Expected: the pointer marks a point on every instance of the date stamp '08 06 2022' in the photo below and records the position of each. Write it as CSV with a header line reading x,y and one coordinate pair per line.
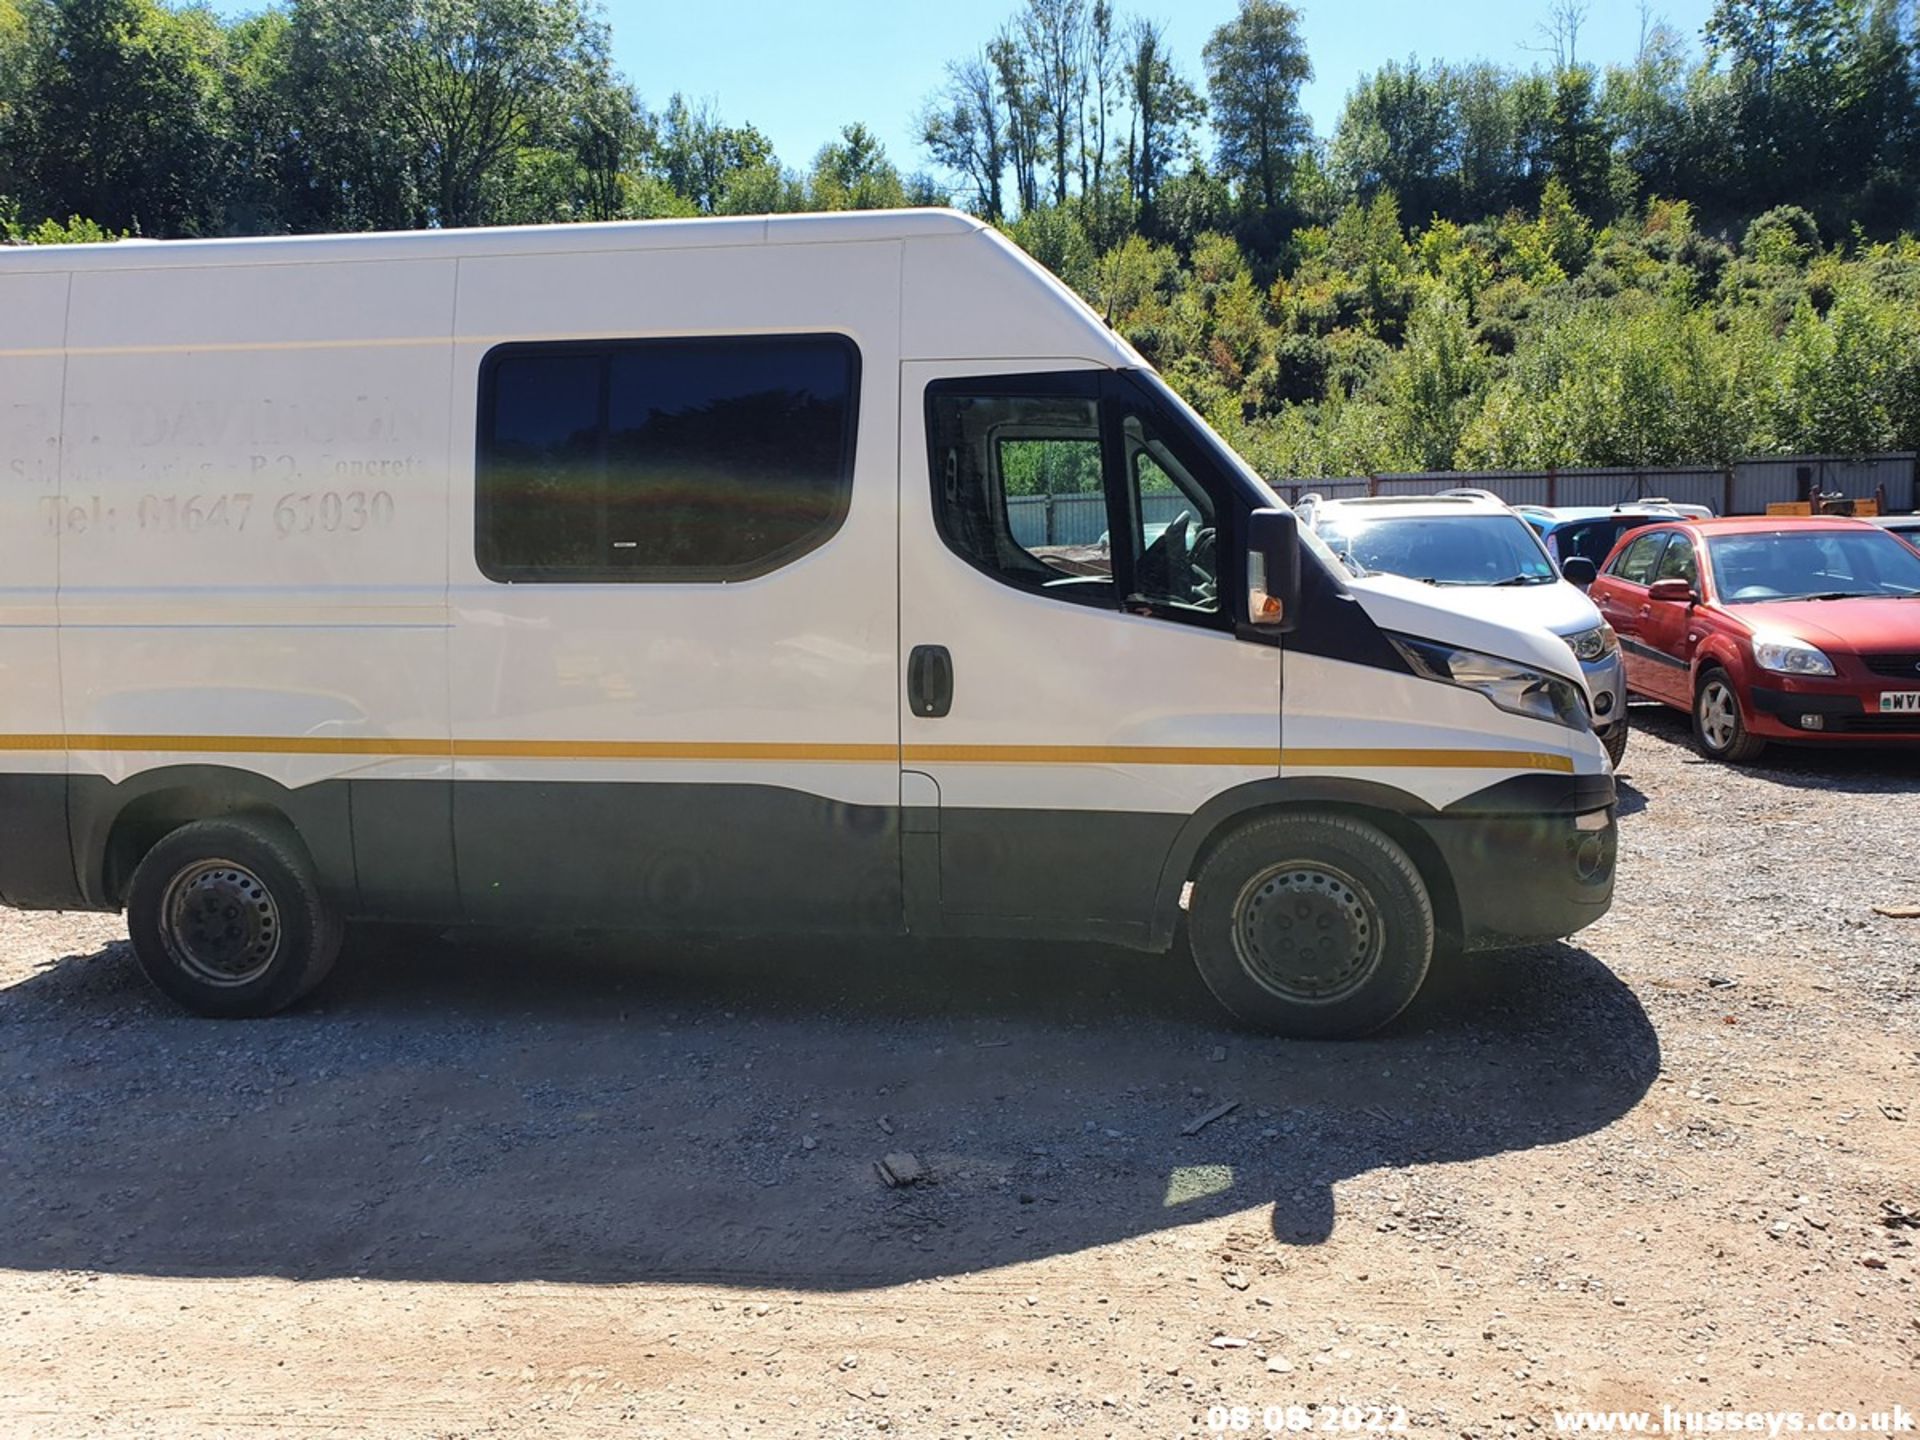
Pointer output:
x,y
1306,1420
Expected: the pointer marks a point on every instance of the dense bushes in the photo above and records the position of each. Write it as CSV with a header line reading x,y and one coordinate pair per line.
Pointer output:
x,y
1531,340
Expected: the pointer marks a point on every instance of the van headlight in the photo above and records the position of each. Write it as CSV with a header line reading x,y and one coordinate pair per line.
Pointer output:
x,y
1595,644
1507,683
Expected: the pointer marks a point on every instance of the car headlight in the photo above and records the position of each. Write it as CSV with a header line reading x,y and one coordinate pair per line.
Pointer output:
x,y
1595,644
1507,683
1784,655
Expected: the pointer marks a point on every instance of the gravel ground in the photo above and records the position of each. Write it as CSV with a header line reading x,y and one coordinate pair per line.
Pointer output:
x,y
628,1188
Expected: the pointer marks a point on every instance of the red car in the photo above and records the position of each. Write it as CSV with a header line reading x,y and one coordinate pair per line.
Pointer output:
x,y
1767,628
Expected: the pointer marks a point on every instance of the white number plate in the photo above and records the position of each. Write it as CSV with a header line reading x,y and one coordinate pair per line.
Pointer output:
x,y
1900,702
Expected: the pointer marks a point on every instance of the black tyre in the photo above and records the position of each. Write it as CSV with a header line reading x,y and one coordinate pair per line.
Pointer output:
x,y
1316,926
1615,740
1719,729
227,918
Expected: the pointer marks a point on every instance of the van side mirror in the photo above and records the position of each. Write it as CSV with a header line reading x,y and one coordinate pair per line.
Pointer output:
x,y
1579,570
1273,570
1677,592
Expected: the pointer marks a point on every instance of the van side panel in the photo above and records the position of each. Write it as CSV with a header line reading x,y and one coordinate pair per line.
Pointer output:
x,y
686,753
33,841
252,559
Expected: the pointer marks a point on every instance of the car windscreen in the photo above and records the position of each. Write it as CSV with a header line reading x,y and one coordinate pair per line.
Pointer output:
x,y
1811,565
1440,549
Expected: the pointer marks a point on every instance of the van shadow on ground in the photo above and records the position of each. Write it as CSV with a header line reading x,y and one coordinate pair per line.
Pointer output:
x,y
613,1111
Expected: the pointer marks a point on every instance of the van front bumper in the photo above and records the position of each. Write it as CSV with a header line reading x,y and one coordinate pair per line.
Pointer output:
x,y
1525,876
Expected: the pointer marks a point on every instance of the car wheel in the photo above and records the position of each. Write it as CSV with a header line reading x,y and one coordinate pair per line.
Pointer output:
x,y
1718,728
1615,739
227,918
1315,926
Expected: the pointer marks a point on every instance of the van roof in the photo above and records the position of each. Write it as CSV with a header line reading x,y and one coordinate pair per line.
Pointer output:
x,y
842,227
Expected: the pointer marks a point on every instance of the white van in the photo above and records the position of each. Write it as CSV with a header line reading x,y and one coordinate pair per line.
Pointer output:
x,y
718,575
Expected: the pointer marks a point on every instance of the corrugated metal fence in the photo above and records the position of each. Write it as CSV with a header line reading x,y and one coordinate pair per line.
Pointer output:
x,y
1745,487
1076,519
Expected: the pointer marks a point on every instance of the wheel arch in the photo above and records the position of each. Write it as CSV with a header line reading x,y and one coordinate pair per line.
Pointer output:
x,y
1718,653
1391,811
114,825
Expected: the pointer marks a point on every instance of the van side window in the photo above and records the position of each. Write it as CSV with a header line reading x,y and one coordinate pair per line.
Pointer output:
x,y
662,460
1637,561
1019,490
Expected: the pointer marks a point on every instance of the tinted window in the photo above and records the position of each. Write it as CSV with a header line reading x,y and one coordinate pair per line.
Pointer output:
x,y
1637,561
1590,539
1019,488
663,460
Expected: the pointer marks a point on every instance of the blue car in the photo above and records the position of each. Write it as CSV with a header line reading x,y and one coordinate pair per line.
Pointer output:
x,y
1588,532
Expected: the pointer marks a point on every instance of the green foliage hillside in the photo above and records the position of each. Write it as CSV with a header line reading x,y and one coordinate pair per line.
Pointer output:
x,y
1704,252
1531,341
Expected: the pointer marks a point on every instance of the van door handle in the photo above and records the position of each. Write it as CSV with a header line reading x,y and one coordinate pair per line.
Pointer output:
x,y
930,681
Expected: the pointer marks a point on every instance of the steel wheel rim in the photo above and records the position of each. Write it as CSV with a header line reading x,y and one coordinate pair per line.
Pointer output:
x,y
1305,932
220,923
1718,718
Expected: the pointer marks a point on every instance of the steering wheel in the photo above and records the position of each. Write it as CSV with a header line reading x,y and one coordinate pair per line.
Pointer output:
x,y
1205,546
1179,566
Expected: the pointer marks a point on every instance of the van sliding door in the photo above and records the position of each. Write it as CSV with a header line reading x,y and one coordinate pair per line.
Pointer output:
x,y
674,622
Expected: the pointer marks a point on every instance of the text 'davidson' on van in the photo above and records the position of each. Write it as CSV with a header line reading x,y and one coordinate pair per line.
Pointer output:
x,y
663,574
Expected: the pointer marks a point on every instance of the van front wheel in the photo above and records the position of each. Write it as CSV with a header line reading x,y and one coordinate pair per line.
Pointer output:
x,y
227,918
1315,926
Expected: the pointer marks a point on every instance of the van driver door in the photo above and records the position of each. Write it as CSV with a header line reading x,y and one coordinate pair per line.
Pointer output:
x,y
1072,687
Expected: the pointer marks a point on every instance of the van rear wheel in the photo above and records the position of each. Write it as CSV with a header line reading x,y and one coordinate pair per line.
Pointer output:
x,y
1315,926
227,918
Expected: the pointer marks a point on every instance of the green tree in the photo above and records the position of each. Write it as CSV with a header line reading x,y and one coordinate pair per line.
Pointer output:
x,y
965,129
1163,110
703,160
1397,134
853,173
1579,145
120,117
1256,64
1431,386
451,92
1054,33
14,57
259,125
1020,97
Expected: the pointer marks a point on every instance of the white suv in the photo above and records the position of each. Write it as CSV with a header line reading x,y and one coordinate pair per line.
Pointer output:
x,y
1493,565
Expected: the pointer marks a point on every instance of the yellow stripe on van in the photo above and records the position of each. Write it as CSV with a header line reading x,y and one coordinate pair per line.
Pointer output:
x,y
1426,759
1088,755
665,750
1255,757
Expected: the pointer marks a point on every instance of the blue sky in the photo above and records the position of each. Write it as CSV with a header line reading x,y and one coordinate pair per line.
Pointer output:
x,y
800,72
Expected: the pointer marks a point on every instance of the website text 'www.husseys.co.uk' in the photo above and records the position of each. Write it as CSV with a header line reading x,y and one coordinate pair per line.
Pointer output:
x,y
1675,1420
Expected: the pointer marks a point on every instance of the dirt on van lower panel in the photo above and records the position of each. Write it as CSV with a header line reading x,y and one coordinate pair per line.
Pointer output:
x,y
628,1188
